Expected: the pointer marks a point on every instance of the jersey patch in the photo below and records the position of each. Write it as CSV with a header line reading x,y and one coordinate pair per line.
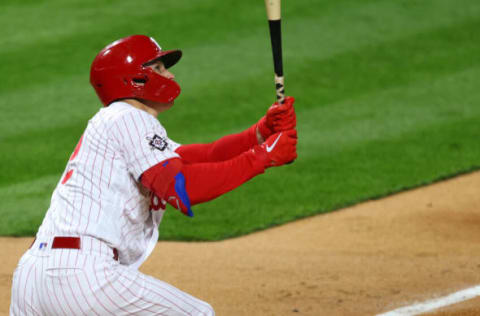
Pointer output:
x,y
157,142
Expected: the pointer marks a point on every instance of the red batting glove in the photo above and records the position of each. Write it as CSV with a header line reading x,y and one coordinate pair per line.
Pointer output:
x,y
279,117
279,149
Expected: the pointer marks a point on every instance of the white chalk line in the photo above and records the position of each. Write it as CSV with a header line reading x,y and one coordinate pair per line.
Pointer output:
x,y
436,303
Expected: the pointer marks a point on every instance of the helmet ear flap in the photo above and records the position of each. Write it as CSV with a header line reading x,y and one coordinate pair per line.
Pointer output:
x,y
140,80
136,84
159,88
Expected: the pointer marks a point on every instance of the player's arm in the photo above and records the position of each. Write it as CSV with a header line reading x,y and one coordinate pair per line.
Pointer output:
x,y
278,118
222,149
184,185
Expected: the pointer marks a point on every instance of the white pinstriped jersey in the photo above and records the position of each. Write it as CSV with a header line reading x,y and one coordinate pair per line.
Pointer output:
x,y
99,194
99,199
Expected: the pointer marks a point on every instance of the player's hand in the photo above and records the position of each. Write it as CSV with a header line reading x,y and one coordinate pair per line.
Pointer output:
x,y
280,148
279,117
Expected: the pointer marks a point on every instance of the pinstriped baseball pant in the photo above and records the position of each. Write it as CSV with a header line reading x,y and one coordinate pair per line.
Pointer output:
x,y
71,282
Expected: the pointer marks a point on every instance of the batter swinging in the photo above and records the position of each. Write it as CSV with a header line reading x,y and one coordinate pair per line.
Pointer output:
x,y
103,219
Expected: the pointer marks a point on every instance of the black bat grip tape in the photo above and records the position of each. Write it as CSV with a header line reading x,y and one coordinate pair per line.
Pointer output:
x,y
276,39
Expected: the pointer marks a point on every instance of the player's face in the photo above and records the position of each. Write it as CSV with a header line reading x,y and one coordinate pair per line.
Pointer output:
x,y
160,69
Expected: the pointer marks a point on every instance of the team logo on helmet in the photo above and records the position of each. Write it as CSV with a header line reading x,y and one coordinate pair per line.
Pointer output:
x,y
157,142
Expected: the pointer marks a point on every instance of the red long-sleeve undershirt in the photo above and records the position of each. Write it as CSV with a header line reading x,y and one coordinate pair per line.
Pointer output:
x,y
206,181
209,170
222,149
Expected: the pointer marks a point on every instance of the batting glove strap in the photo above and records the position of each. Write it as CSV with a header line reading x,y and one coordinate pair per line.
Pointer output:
x,y
280,148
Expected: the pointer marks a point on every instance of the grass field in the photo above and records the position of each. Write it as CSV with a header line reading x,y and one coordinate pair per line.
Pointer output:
x,y
387,98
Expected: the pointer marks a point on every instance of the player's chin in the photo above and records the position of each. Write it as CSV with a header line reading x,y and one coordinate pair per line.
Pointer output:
x,y
165,106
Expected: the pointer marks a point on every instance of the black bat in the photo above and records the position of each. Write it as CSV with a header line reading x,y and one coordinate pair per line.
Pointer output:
x,y
274,22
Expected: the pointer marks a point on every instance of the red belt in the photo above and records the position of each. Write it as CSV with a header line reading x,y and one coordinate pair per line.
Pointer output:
x,y
73,243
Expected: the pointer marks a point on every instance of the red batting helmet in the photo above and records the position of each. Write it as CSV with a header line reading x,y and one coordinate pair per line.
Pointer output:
x,y
120,71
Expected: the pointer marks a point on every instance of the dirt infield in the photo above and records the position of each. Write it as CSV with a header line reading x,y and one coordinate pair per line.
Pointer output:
x,y
364,260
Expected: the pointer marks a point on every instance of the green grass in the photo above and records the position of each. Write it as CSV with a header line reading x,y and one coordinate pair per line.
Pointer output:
x,y
387,98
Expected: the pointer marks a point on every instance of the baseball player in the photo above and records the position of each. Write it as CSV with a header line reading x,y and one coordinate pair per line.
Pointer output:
x,y
103,219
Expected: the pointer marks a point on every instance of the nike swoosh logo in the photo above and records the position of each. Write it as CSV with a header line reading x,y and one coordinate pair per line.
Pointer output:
x,y
270,148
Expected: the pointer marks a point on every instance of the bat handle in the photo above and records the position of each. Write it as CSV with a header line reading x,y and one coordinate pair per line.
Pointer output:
x,y
280,88
279,85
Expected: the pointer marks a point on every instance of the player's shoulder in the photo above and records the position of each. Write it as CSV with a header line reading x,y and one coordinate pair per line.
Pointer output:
x,y
119,109
126,114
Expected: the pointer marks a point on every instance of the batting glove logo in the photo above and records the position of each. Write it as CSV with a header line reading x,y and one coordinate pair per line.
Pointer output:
x,y
157,142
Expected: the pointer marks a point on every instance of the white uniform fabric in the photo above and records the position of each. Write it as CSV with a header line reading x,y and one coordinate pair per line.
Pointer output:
x,y
102,198
99,199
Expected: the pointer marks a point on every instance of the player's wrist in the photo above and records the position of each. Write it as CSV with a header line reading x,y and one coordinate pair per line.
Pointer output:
x,y
261,157
263,130
260,138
